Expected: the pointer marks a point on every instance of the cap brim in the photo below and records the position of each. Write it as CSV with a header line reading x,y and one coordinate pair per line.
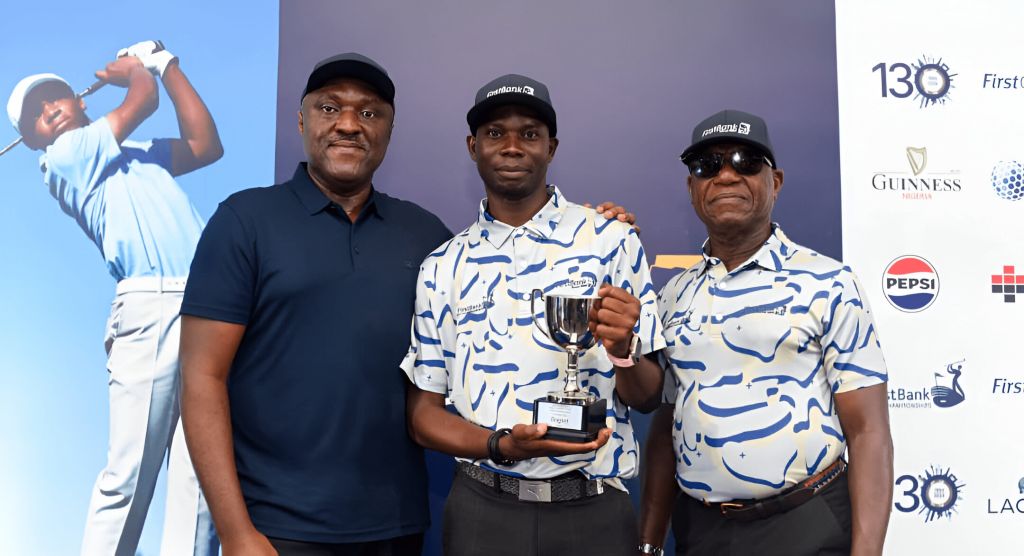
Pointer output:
x,y
16,103
476,116
355,69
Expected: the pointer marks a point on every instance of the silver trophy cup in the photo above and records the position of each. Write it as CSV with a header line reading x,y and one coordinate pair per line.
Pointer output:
x,y
571,414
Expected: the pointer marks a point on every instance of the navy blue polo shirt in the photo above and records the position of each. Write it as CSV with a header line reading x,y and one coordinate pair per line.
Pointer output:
x,y
317,398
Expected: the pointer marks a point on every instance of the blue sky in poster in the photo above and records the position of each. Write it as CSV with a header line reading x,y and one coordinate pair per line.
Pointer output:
x,y
57,293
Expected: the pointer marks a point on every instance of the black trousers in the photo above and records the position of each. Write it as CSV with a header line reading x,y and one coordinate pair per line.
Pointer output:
x,y
481,521
410,545
819,527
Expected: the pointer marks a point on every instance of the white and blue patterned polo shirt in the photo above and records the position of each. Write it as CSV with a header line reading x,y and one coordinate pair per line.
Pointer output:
x,y
473,337
755,356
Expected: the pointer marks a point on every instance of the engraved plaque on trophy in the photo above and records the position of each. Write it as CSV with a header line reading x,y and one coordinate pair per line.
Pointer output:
x,y
570,414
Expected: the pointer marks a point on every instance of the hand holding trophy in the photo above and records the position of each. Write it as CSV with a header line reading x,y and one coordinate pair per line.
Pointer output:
x,y
571,415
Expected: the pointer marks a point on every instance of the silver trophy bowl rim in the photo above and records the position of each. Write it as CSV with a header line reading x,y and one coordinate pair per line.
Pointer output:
x,y
565,296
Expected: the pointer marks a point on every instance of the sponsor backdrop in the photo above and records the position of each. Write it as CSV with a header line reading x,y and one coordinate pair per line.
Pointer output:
x,y
931,104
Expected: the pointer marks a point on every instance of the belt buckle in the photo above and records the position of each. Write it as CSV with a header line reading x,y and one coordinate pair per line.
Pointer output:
x,y
534,491
725,507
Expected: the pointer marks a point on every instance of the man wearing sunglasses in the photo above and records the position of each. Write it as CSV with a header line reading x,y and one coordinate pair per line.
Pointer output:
x,y
774,370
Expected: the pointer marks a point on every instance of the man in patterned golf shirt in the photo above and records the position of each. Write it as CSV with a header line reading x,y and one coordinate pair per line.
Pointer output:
x,y
774,369
474,342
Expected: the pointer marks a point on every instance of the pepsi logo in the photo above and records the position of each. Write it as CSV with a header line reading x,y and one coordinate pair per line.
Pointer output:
x,y
910,283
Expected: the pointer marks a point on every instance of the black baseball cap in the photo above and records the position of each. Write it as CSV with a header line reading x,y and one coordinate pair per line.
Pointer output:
x,y
512,89
733,126
351,64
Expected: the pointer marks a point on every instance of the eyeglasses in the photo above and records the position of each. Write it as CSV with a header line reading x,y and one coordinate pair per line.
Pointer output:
x,y
707,165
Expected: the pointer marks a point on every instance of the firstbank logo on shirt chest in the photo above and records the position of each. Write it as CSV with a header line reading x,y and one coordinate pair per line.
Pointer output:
x,y
478,306
584,284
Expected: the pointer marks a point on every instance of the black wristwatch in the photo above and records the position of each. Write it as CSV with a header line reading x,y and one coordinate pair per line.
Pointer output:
x,y
648,548
494,452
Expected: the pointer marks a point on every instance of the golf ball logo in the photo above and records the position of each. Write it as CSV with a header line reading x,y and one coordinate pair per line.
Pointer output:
x,y
1008,180
910,283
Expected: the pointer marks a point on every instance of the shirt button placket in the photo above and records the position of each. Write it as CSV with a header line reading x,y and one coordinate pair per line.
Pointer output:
x,y
716,282
521,260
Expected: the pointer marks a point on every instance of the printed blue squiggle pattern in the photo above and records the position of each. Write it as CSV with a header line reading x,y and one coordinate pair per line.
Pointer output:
x,y
473,337
766,345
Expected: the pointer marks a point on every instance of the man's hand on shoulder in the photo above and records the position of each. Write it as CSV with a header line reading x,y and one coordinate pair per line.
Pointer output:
x,y
526,442
611,210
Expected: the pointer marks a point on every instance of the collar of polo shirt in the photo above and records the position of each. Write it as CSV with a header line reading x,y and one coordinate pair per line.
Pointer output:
x,y
315,201
767,257
543,223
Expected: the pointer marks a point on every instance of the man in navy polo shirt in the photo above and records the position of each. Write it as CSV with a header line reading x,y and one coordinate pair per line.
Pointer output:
x,y
296,316
295,319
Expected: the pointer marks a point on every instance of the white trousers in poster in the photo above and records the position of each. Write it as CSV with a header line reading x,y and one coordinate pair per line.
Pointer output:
x,y
142,339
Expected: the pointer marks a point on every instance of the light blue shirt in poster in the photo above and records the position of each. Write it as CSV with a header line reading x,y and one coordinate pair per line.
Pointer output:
x,y
125,199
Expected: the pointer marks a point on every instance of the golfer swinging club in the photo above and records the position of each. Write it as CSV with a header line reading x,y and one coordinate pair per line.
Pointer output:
x,y
123,195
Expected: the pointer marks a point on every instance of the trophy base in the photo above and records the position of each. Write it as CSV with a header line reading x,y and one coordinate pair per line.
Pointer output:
x,y
571,417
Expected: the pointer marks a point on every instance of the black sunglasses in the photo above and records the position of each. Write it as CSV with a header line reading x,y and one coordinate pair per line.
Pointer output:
x,y
745,161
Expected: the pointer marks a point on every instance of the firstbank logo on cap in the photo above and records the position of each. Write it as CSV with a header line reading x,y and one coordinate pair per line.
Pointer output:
x,y
525,89
743,128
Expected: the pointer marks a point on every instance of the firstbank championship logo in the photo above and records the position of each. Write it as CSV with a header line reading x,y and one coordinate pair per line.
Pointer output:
x,y
934,494
928,79
485,303
945,393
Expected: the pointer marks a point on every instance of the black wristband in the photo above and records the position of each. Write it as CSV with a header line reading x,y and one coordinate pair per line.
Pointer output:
x,y
494,451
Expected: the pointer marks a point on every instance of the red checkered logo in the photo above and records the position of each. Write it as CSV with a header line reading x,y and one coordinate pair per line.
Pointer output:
x,y
1008,284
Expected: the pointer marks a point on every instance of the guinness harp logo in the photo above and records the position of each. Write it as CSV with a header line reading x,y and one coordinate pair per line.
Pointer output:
x,y
918,158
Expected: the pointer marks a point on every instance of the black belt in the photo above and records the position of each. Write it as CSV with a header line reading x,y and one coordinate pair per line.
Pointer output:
x,y
750,510
571,486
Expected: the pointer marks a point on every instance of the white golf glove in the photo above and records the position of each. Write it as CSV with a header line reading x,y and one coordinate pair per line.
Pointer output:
x,y
152,54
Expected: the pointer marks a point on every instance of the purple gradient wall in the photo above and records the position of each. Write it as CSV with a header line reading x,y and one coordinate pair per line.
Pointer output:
x,y
629,80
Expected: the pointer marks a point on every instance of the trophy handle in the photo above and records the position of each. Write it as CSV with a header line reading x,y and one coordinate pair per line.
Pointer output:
x,y
536,294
